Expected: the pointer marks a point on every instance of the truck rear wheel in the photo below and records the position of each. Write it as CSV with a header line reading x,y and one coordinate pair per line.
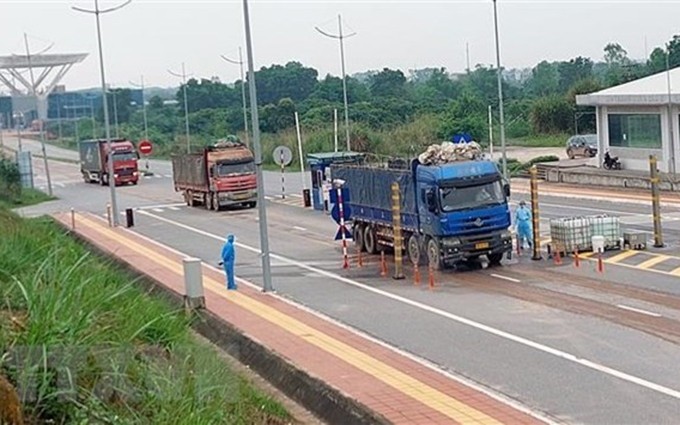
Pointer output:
x,y
415,250
370,240
207,201
434,256
358,234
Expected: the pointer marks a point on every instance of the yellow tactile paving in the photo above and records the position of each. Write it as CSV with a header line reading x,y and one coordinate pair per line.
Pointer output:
x,y
449,406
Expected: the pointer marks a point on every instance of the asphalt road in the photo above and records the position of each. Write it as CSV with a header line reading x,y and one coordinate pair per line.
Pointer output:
x,y
579,368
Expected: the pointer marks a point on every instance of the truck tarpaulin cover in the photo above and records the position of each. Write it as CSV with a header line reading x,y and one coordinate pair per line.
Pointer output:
x,y
90,155
372,187
189,169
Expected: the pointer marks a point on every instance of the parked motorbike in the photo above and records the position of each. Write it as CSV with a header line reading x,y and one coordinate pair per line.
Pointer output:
x,y
611,163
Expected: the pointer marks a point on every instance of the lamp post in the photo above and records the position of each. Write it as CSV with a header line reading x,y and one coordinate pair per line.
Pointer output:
x,y
264,238
500,91
341,38
243,91
112,184
183,75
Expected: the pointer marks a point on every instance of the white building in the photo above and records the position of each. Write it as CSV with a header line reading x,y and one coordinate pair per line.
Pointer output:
x,y
633,121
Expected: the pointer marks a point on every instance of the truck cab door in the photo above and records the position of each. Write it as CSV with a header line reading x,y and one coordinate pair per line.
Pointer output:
x,y
427,208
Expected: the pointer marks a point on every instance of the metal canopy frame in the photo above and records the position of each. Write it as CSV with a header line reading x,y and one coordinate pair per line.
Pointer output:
x,y
13,64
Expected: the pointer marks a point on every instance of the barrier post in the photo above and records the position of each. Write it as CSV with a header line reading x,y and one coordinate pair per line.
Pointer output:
x,y
73,219
656,209
534,214
397,237
108,213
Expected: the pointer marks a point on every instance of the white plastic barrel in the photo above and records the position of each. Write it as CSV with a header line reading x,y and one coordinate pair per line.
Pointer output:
x,y
598,243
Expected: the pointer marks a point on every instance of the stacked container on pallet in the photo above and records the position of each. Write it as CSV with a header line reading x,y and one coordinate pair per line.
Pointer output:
x,y
569,234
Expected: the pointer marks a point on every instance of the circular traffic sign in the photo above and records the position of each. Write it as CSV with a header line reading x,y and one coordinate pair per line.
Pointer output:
x,y
145,147
282,155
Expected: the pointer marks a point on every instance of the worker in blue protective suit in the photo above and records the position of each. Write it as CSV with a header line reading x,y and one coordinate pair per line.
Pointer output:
x,y
228,259
523,225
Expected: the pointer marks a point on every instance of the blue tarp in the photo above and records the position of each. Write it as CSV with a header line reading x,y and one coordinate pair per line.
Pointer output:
x,y
371,192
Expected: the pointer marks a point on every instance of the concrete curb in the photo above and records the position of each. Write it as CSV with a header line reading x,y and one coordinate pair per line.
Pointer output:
x,y
323,400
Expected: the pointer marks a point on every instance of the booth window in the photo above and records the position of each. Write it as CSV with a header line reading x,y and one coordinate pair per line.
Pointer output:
x,y
635,131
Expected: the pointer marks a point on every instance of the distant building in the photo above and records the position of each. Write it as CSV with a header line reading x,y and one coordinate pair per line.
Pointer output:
x,y
638,119
61,104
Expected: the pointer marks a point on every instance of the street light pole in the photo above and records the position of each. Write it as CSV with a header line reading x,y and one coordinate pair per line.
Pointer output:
x,y
111,179
264,238
243,92
40,119
341,38
115,112
186,107
500,91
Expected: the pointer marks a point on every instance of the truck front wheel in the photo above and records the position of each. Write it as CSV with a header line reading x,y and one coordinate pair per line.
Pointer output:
x,y
215,202
495,259
434,255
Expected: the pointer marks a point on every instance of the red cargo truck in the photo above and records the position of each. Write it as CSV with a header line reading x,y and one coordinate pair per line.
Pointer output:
x,y
219,175
94,161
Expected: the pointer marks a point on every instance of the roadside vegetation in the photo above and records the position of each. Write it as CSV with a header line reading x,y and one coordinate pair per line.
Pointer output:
x,y
392,112
81,343
12,195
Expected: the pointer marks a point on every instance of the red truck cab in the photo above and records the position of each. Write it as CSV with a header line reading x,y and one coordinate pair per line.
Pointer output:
x,y
94,161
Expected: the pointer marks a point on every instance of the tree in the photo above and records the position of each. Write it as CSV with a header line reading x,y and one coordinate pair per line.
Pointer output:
x,y
388,83
574,70
615,55
552,114
278,117
544,80
208,94
293,81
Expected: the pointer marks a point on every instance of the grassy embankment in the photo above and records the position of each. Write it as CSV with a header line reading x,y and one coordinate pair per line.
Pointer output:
x,y
102,350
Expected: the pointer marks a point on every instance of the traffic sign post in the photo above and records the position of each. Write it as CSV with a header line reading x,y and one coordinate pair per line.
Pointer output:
x,y
145,148
283,157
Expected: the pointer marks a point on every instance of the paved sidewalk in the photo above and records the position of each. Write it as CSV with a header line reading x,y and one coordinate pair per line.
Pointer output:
x,y
395,386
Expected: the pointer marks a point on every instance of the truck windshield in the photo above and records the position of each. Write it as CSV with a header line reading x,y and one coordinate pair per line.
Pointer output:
x,y
225,169
124,156
462,198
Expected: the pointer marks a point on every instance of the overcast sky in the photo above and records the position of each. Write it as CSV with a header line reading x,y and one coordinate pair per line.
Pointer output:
x,y
151,36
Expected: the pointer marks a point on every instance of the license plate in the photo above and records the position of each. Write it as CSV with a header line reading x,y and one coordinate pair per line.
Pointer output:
x,y
241,195
482,245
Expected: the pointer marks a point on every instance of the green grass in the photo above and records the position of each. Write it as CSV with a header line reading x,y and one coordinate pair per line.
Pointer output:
x,y
27,198
137,359
541,141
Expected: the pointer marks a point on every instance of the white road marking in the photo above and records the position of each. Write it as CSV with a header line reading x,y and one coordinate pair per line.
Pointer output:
x,y
158,176
157,209
637,310
459,319
510,279
150,207
174,208
435,368
302,229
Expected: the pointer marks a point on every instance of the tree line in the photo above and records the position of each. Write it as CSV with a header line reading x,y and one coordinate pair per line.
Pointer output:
x,y
390,111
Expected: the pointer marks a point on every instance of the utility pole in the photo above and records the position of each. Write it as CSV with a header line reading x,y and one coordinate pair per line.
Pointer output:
x,y
243,92
40,119
490,133
111,179
467,56
500,91
183,75
59,116
94,121
264,238
341,37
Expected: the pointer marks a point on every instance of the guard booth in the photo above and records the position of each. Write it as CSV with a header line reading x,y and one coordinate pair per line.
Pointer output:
x,y
319,164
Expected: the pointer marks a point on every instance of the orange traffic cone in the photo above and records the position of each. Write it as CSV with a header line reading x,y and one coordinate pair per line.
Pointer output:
x,y
416,274
383,265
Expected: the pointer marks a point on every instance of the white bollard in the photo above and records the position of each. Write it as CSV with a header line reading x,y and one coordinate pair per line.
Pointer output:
x,y
193,284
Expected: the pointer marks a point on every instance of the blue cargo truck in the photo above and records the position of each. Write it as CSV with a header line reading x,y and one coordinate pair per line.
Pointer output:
x,y
450,213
